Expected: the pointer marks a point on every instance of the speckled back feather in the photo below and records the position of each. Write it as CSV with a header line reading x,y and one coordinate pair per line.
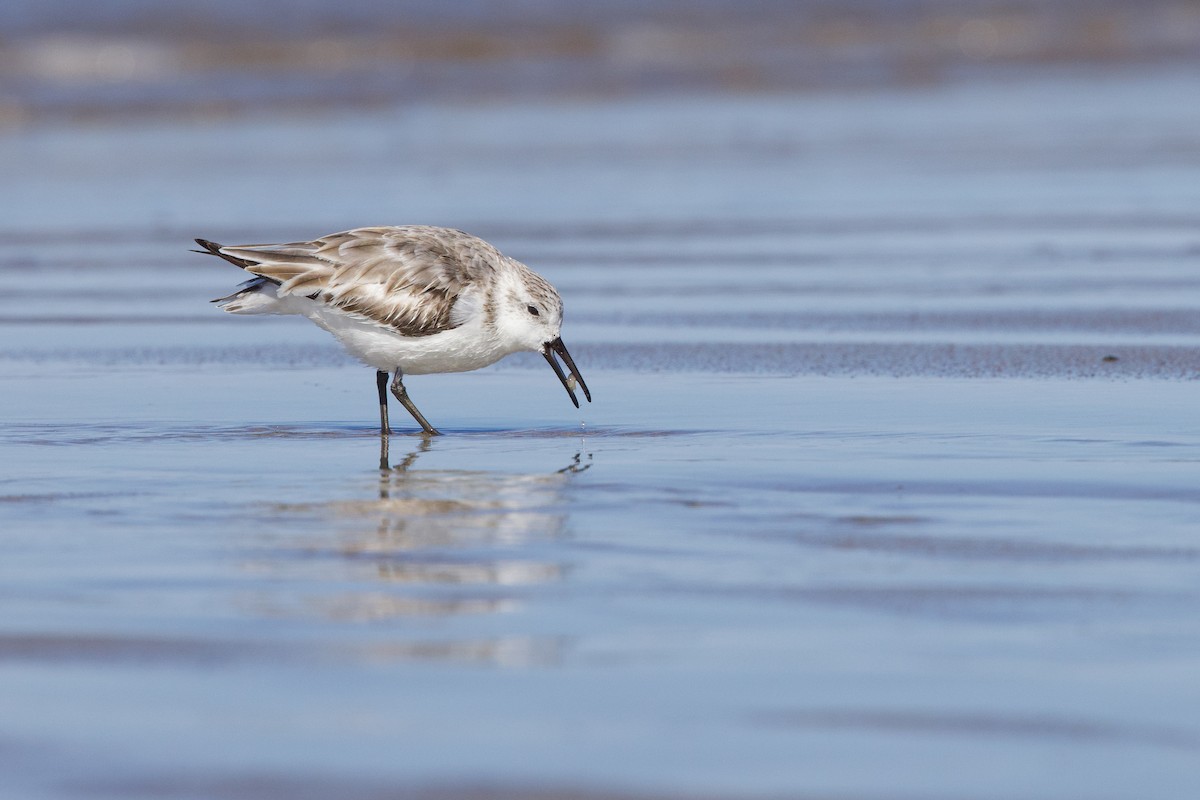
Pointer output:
x,y
407,278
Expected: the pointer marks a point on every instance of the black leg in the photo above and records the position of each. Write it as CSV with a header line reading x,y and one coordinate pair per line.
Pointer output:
x,y
381,382
385,430
402,395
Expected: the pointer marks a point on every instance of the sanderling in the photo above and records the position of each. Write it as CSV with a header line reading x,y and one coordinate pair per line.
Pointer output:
x,y
411,300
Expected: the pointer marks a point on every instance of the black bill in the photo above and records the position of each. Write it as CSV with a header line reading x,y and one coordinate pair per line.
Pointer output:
x,y
549,350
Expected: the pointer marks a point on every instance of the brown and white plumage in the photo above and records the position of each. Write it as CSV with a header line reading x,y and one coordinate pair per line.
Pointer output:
x,y
412,299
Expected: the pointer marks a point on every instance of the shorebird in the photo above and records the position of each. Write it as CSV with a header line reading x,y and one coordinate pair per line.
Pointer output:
x,y
410,300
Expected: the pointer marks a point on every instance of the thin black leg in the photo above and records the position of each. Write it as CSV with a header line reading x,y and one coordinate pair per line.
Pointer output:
x,y
385,430
402,395
381,382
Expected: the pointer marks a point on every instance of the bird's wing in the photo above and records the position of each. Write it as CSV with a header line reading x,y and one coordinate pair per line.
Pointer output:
x,y
407,278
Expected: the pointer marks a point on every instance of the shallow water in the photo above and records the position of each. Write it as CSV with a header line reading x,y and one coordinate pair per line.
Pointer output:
x,y
889,489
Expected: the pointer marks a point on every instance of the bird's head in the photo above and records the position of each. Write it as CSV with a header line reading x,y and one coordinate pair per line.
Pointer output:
x,y
529,314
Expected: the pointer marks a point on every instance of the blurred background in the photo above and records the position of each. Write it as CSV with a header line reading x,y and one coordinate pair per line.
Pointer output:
x,y
318,115
890,309
64,61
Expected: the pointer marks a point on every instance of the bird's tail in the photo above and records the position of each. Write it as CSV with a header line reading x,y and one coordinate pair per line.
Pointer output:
x,y
255,296
214,249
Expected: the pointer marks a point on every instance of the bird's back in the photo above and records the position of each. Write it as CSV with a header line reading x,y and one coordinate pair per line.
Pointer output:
x,y
406,279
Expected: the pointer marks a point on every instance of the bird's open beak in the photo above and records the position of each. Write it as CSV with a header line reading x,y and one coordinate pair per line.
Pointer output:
x,y
548,350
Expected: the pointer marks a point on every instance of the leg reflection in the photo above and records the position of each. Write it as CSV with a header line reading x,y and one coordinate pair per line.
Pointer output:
x,y
386,471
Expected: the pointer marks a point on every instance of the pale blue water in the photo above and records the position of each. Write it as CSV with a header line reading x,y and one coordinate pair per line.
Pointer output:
x,y
860,510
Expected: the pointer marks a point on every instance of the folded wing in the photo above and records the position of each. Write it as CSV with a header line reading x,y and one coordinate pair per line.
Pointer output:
x,y
406,278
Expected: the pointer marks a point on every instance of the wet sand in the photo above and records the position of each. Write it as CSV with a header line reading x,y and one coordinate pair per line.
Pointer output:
x,y
889,489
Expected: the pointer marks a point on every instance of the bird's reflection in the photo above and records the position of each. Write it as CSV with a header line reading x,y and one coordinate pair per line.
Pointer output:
x,y
417,509
430,543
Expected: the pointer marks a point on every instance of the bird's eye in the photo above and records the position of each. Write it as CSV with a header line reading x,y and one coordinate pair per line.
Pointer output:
x,y
532,310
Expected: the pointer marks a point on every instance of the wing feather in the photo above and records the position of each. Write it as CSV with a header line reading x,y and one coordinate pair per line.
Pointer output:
x,y
408,278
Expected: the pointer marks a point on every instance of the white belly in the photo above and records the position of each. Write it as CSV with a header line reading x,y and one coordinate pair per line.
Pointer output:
x,y
469,346
461,349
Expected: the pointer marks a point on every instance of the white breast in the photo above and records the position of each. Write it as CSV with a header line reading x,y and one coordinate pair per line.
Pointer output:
x,y
467,347
476,342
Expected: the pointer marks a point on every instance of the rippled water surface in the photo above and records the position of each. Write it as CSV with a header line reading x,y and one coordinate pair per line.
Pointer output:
x,y
890,489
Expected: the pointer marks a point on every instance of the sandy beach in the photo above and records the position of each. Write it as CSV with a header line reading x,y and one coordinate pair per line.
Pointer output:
x,y
890,488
